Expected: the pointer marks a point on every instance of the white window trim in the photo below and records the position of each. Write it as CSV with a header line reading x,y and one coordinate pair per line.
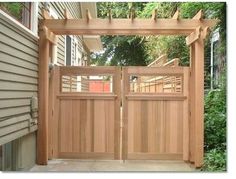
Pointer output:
x,y
20,25
34,17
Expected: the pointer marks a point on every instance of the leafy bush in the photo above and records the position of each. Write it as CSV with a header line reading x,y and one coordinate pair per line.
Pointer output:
x,y
215,160
215,129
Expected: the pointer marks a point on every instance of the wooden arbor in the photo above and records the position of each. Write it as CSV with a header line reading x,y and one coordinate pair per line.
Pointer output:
x,y
194,29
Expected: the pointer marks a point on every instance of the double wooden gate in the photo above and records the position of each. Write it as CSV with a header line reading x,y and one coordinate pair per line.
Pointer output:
x,y
114,113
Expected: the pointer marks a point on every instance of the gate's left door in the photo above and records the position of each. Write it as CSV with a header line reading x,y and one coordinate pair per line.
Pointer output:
x,y
84,118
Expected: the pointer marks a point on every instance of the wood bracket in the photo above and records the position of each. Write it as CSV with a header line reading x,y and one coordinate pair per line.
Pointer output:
x,y
50,36
194,36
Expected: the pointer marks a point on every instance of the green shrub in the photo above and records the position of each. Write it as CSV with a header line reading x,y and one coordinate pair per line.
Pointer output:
x,y
215,160
215,129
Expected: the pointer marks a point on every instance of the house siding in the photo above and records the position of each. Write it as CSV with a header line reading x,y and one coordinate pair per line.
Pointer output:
x,y
74,10
18,80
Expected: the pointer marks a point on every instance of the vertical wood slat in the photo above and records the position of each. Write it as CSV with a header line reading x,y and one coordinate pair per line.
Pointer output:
x,y
199,101
117,124
125,89
43,85
186,115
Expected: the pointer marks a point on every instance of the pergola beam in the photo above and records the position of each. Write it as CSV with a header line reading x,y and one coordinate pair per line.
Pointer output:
x,y
88,15
67,14
199,15
109,15
154,14
125,26
176,15
45,14
50,36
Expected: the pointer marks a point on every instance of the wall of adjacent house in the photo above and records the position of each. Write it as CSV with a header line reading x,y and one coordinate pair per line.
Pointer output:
x,y
58,8
18,88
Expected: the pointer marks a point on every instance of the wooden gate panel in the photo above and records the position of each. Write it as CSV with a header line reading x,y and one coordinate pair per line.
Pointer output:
x,y
86,126
155,122
155,127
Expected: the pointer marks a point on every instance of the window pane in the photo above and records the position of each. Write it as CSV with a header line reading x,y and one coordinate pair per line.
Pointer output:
x,y
68,51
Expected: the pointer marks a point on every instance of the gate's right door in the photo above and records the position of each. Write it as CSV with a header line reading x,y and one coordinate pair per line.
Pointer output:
x,y
155,113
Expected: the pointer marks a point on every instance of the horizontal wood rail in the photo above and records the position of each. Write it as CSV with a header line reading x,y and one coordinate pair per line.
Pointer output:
x,y
86,96
155,71
155,97
88,70
87,155
148,156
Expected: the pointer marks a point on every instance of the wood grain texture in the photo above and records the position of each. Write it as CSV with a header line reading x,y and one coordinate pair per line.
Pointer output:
x,y
155,127
42,134
88,124
157,122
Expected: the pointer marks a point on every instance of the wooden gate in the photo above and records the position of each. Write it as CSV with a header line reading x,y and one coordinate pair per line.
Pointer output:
x,y
85,124
155,113
85,121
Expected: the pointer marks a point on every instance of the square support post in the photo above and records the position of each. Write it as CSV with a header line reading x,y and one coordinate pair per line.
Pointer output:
x,y
197,103
42,133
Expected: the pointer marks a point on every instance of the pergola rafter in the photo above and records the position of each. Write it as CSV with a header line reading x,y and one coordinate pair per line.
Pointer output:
x,y
195,30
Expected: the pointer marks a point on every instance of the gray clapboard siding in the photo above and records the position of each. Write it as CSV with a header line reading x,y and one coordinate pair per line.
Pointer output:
x,y
18,79
21,62
17,94
7,112
14,120
7,40
5,76
7,103
17,134
13,34
15,69
16,52
74,10
12,128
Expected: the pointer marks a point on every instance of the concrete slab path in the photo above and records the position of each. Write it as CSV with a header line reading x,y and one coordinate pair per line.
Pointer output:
x,y
78,165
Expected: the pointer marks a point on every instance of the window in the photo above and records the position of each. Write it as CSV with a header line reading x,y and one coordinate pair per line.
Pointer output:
x,y
21,11
68,50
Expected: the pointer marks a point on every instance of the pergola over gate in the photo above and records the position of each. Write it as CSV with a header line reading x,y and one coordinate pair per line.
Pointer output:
x,y
195,30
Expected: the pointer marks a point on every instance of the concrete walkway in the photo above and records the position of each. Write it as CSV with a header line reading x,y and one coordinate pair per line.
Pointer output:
x,y
76,165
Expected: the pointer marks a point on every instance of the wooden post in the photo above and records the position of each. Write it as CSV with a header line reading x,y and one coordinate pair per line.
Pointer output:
x,y
192,105
186,116
42,134
199,101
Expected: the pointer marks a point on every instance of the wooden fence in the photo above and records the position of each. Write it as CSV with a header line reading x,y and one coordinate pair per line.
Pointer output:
x,y
84,124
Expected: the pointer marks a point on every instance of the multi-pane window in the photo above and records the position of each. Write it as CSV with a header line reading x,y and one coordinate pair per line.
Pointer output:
x,y
21,11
